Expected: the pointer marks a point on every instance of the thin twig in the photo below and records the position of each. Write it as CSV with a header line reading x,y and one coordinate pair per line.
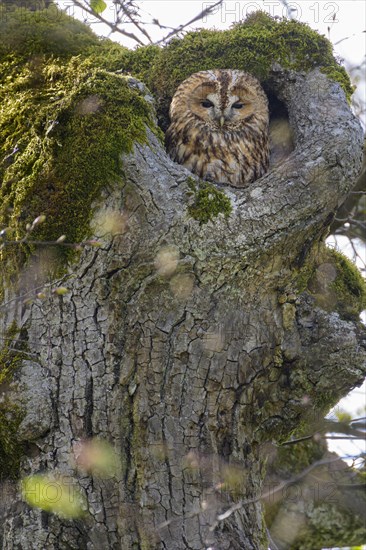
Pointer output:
x,y
179,29
112,26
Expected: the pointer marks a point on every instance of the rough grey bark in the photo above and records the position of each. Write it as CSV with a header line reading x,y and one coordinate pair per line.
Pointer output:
x,y
197,367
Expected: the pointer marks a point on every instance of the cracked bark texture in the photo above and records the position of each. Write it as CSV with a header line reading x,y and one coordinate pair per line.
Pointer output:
x,y
200,367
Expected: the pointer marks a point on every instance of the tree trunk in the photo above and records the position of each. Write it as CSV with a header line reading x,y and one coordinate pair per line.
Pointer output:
x,y
187,345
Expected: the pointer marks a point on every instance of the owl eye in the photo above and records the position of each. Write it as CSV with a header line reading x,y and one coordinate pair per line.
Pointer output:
x,y
206,103
237,105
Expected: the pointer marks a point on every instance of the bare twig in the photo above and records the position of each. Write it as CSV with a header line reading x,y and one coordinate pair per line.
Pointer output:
x,y
204,13
113,26
131,12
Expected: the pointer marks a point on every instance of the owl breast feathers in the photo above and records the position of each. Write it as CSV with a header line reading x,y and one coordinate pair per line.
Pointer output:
x,y
219,127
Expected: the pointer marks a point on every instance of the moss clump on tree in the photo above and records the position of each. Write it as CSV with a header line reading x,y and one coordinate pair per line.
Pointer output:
x,y
47,32
349,286
324,518
208,203
82,118
335,282
293,459
288,461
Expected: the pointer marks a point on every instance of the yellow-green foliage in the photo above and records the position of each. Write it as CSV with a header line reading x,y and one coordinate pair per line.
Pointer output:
x,y
11,415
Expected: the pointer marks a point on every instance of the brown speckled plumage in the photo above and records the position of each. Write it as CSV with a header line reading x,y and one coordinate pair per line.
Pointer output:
x,y
219,127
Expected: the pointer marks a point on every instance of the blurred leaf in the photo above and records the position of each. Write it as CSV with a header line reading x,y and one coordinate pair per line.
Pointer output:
x,y
97,457
53,494
343,416
98,5
61,290
166,260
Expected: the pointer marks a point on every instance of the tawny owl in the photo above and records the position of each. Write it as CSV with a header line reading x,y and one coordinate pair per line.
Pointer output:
x,y
219,127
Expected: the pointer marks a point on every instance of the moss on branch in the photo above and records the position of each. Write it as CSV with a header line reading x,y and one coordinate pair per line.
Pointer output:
x,y
334,281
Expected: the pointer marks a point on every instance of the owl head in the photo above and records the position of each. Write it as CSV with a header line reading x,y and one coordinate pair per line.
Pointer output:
x,y
219,127
222,99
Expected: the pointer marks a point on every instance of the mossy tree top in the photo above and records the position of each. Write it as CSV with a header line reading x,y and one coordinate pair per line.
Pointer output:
x,y
51,64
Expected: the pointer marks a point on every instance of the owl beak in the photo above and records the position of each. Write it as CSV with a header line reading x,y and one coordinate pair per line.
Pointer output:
x,y
222,121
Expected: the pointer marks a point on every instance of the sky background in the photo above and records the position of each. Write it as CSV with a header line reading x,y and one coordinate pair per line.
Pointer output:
x,y
343,21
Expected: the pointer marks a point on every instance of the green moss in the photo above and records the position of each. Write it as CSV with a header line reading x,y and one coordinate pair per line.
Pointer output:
x,y
334,281
11,415
72,148
278,357
49,31
289,461
64,124
208,203
349,286
10,355
253,45
304,275
323,515
293,459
